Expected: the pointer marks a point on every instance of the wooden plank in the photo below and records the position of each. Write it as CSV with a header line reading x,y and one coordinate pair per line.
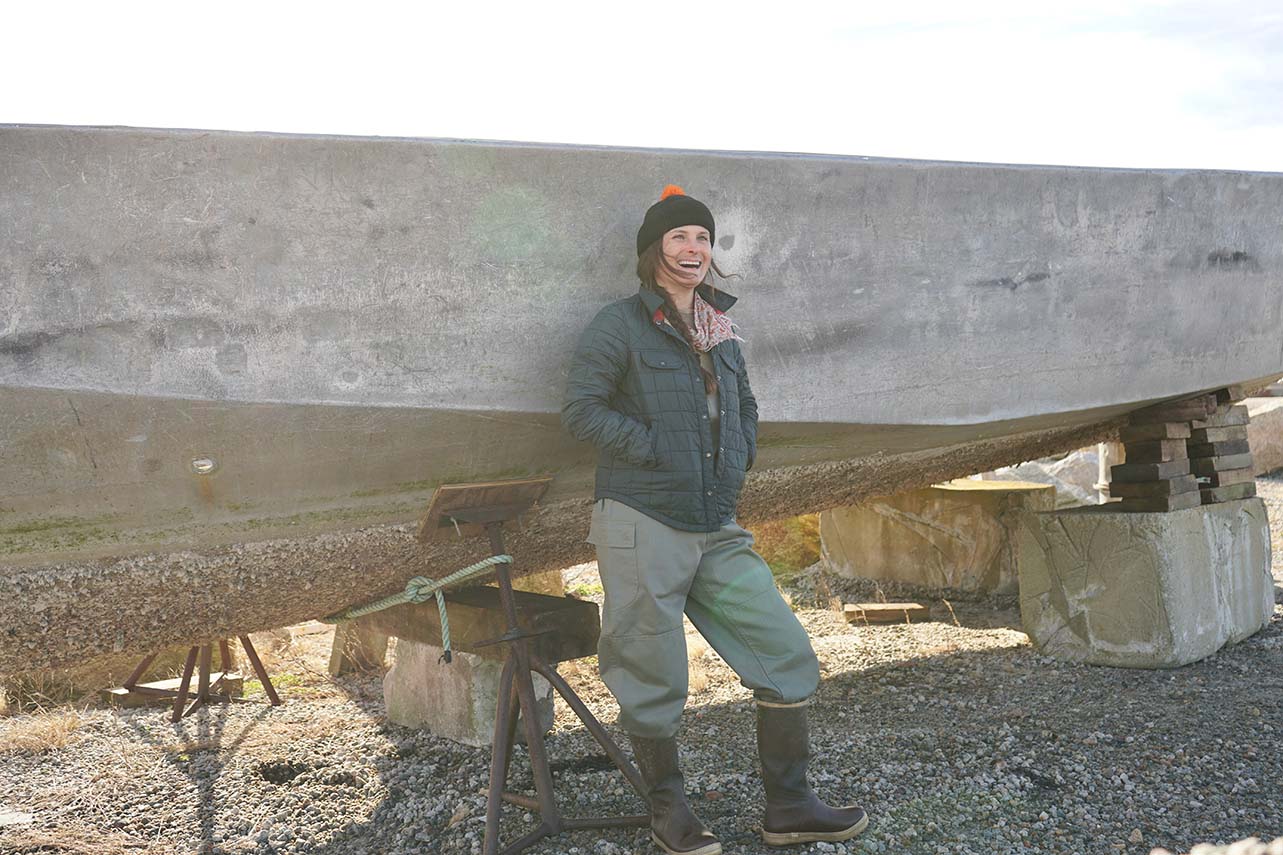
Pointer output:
x,y
476,616
518,492
1161,487
1223,417
1198,407
1218,449
1148,471
1218,434
1229,395
1229,493
1223,463
1155,451
1161,504
1157,430
885,612
1227,477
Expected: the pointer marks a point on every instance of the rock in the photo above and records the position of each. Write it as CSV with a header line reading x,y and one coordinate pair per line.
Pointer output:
x,y
952,535
1265,433
1144,590
456,700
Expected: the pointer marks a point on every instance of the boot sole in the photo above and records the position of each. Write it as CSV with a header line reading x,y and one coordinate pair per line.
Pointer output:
x,y
792,838
709,849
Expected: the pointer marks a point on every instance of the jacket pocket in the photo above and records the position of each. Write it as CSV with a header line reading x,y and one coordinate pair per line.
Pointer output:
x,y
658,360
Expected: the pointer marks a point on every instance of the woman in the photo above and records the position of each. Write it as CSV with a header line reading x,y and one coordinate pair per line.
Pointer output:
x,y
658,385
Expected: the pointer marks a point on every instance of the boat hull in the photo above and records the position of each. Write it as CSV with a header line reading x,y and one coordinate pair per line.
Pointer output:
x,y
234,366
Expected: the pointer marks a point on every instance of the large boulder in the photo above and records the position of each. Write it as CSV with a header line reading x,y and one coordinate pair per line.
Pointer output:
x,y
952,535
1265,433
1144,590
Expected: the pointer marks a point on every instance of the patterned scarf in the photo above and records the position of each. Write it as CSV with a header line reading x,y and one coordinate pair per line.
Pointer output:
x,y
711,326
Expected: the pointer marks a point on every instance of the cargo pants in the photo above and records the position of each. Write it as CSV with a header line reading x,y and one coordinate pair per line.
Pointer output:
x,y
651,574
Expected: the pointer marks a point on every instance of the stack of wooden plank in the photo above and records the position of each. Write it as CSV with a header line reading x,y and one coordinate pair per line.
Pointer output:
x,y
1220,457
1156,475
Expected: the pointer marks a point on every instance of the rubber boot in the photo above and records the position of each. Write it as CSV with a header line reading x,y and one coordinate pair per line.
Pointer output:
x,y
673,827
794,814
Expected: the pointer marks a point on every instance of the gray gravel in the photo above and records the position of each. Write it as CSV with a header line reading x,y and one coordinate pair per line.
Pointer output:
x,y
956,737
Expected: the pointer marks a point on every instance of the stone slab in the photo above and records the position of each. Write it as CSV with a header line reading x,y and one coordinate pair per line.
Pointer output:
x,y
1144,590
952,535
455,700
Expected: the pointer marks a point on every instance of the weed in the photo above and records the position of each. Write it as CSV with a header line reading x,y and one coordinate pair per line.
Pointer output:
x,y
40,732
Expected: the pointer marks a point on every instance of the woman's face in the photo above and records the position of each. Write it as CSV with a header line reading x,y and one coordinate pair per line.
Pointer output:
x,y
687,252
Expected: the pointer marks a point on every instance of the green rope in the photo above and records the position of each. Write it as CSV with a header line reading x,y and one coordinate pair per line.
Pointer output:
x,y
418,590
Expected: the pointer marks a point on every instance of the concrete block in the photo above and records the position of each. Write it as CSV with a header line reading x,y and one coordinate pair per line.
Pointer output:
x,y
1265,433
1144,590
455,700
954,535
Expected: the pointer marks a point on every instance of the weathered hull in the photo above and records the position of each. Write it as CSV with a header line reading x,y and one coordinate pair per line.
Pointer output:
x,y
338,325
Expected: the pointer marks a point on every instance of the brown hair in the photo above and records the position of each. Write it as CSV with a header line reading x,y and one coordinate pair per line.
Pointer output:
x,y
648,262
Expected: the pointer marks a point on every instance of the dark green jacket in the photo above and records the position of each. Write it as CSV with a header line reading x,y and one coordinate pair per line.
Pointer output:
x,y
635,392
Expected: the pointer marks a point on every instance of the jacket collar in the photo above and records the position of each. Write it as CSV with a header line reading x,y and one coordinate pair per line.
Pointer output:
x,y
718,299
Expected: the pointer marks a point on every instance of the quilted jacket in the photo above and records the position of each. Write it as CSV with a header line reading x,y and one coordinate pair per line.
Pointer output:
x,y
636,393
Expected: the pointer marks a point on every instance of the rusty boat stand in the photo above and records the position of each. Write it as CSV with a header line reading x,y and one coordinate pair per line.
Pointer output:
x,y
207,689
517,693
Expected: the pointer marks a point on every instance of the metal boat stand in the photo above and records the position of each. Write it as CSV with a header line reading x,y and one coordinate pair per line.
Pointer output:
x,y
209,686
516,690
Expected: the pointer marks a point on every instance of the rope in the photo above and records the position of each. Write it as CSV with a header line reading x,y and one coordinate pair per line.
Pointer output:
x,y
418,590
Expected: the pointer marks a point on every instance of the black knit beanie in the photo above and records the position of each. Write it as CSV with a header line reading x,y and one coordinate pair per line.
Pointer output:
x,y
673,209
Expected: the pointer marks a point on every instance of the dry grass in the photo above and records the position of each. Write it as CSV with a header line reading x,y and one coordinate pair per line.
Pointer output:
x,y
40,732
75,839
789,545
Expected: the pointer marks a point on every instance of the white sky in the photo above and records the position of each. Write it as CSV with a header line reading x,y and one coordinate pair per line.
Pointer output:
x,y
1123,83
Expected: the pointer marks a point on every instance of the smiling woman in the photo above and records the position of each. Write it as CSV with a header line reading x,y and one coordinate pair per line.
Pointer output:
x,y
658,384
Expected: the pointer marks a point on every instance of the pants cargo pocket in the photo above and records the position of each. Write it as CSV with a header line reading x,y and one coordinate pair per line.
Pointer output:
x,y
617,563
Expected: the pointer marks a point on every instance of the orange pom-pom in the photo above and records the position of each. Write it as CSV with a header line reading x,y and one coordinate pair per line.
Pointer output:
x,y
671,190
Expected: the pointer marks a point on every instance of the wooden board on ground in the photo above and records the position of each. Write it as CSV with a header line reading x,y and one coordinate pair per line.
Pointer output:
x,y
161,691
519,494
476,616
885,612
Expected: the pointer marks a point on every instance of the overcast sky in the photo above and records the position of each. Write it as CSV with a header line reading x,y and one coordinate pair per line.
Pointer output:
x,y
1133,84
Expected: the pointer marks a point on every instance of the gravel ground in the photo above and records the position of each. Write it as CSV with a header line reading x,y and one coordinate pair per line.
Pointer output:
x,y
955,735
